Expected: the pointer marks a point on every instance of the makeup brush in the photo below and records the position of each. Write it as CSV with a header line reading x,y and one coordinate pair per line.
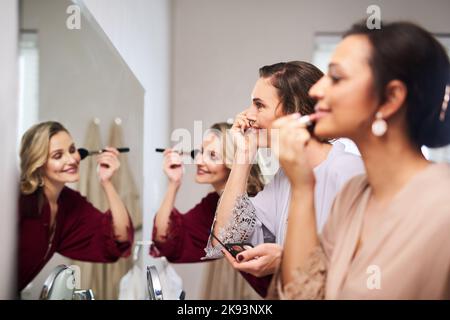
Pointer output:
x,y
84,152
309,121
192,153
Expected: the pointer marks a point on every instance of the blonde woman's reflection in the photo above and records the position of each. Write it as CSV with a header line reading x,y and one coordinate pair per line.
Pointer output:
x,y
54,218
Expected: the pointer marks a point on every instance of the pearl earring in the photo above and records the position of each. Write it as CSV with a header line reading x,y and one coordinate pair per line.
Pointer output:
x,y
379,126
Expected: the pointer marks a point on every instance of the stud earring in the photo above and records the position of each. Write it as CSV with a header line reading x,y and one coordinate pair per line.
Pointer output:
x,y
41,182
445,103
379,126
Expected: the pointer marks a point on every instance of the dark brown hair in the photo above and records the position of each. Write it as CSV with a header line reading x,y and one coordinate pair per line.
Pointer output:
x,y
406,52
293,81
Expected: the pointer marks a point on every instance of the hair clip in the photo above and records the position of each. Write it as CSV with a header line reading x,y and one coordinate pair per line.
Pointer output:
x,y
445,103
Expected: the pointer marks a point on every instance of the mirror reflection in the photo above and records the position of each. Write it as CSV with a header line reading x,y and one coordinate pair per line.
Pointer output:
x,y
76,91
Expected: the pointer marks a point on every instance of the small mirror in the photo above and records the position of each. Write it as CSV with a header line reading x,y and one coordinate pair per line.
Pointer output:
x,y
154,284
59,285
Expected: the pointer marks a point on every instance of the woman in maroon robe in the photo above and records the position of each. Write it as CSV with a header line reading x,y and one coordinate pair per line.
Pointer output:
x,y
181,238
54,218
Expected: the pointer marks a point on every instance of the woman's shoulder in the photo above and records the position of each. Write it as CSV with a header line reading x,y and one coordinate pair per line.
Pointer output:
x,y
210,200
28,205
355,185
345,161
351,191
280,179
433,186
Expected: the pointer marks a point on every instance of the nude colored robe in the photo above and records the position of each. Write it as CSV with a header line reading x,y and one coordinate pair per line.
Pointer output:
x,y
408,258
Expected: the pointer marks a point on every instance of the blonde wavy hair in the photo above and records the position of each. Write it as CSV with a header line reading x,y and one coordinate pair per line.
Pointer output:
x,y
34,154
255,181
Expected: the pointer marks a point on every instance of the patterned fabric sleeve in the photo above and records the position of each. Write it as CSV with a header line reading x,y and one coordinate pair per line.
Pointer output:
x,y
308,283
238,229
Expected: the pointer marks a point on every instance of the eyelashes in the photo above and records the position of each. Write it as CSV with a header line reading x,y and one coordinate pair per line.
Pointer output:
x,y
58,155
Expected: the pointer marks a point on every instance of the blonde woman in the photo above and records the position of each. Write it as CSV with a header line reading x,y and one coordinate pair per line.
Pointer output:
x,y
54,218
181,238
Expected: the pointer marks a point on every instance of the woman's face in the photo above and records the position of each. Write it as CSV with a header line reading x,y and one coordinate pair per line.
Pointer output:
x,y
211,163
266,106
265,109
63,160
346,101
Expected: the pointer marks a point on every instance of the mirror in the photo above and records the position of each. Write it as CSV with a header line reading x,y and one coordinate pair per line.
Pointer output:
x,y
72,73
59,285
154,284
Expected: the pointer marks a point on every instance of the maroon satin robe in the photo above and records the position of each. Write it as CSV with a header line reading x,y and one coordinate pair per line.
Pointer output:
x,y
188,234
81,232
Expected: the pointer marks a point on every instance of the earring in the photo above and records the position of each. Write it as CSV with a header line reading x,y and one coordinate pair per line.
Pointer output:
x,y
41,182
445,103
379,126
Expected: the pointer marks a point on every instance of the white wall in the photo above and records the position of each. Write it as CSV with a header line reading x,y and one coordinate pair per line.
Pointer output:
x,y
140,31
218,47
81,76
8,127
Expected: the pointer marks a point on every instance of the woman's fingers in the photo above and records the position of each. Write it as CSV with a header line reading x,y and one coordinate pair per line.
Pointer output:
x,y
248,254
107,156
241,125
241,122
237,265
281,122
253,267
108,162
111,150
230,258
172,157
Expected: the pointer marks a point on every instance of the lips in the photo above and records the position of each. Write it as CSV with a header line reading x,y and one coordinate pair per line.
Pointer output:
x,y
321,111
71,170
202,171
321,114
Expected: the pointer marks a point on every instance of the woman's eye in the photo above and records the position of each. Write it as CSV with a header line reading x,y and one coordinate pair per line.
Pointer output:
x,y
57,156
72,149
334,79
259,106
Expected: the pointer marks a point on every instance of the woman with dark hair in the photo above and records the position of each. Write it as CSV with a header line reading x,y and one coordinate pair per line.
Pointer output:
x,y
281,89
54,218
387,90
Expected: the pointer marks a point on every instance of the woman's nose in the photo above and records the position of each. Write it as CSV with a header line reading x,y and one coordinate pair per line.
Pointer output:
x,y
318,89
72,158
199,158
251,113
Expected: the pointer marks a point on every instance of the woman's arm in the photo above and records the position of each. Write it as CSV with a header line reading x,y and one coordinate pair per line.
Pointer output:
x,y
108,165
173,168
236,185
162,217
187,234
301,236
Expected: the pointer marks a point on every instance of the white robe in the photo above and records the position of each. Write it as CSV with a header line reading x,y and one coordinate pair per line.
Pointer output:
x,y
272,204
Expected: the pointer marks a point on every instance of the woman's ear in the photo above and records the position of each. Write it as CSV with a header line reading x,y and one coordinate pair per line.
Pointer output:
x,y
395,97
